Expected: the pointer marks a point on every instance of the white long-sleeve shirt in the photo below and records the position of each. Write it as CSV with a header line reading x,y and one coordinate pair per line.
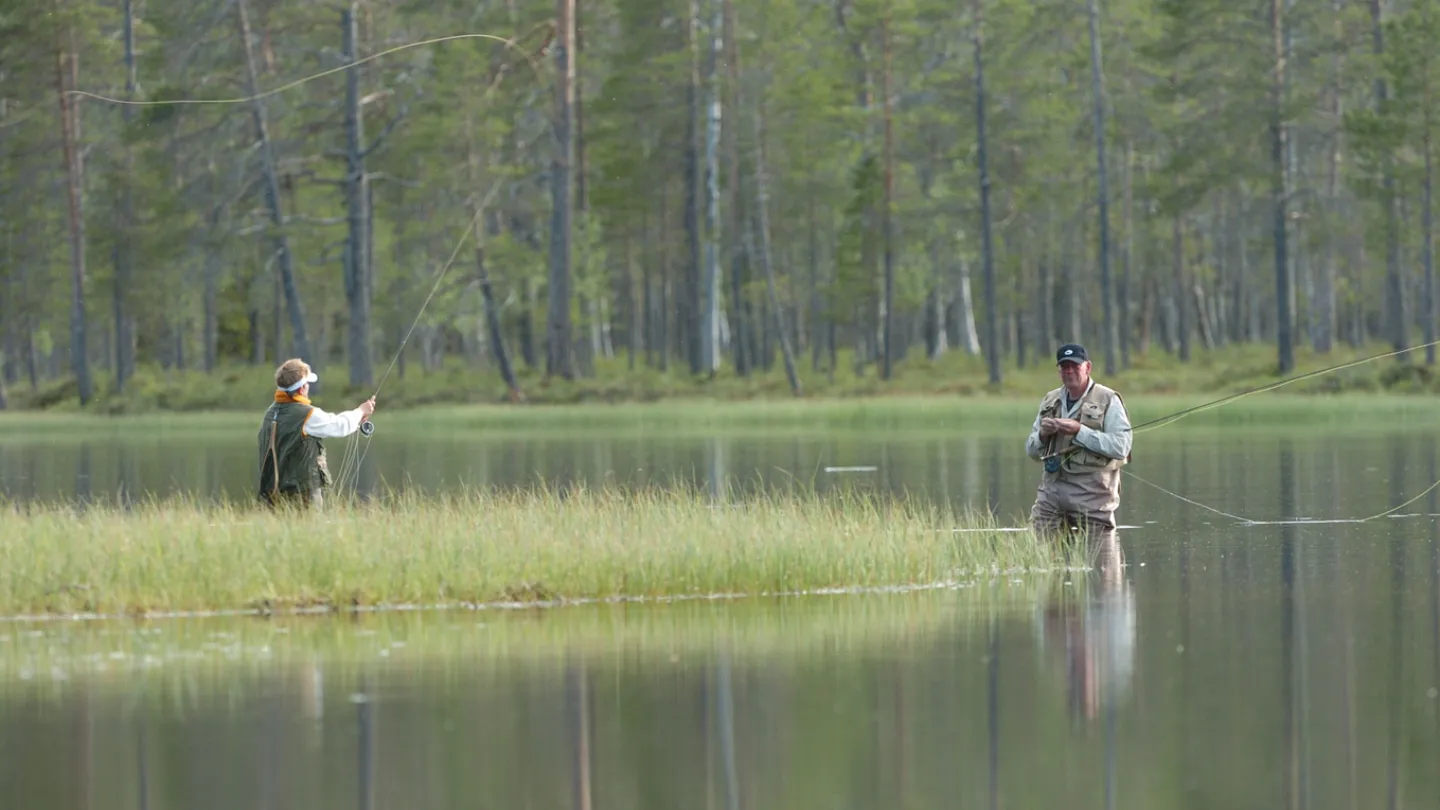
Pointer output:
x,y
324,425
1112,440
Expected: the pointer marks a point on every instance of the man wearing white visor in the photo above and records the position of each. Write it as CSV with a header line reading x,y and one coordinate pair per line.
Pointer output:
x,y
292,458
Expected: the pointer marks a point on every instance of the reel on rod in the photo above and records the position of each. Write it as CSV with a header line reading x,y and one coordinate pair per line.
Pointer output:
x,y
367,427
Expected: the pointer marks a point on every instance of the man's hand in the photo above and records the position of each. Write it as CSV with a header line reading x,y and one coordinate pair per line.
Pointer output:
x,y
1047,427
366,408
1070,426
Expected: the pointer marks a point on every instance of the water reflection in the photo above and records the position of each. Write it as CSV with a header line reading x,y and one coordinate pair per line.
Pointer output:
x,y
1089,630
919,700
1239,474
1292,665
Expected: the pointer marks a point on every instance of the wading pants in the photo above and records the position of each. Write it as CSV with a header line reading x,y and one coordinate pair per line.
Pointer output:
x,y
1087,501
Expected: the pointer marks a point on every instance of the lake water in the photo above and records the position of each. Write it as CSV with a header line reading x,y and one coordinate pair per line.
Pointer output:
x,y
1205,663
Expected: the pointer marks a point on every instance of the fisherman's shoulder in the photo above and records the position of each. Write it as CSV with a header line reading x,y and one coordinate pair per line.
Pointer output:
x,y
1052,397
1106,392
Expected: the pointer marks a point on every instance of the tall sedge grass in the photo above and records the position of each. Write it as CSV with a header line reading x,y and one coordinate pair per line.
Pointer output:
x,y
539,545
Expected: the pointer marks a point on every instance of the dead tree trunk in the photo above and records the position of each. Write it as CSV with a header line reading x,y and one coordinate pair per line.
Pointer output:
x,y
482,273
285,260
887,218
1394,284
1178,289
357,198
1102,196
211,269
557,339
1279,189
992,345
125,250
735,216
688,313
763,212
1427,318
79,357
1325,306
1123,293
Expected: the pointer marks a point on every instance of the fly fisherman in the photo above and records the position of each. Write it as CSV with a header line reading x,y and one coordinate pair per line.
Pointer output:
x,y
292,459
1082,435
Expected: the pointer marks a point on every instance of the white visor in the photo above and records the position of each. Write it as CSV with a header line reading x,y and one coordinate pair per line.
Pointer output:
x,y
308,378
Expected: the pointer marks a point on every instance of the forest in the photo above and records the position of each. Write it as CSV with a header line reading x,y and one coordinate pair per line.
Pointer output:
x,y
569,186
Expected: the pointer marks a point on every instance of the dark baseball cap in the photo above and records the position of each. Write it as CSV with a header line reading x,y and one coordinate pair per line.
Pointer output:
x,y
1073,352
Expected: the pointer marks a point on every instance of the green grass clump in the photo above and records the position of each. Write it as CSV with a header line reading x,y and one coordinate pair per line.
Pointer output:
x,y
521,546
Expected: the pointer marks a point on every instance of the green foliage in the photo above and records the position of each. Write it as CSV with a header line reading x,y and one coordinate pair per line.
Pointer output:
x,y
467,124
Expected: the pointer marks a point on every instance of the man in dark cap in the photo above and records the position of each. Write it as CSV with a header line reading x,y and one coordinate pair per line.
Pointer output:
x,y
1082,436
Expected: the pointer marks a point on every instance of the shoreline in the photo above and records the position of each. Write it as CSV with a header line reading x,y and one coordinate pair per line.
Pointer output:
x,y
1210,374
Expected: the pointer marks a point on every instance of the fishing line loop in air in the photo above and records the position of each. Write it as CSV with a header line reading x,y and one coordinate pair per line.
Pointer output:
x,y
275,91
351,459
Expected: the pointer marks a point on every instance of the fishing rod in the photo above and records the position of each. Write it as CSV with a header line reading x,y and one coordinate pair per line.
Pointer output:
x,y
367,428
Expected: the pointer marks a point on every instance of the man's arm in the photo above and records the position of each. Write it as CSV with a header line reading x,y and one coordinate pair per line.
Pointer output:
x,y
1114,439
1035,445
323,425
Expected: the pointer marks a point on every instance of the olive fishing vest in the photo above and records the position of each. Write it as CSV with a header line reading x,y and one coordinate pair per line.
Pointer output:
x,y
290,461
1094,405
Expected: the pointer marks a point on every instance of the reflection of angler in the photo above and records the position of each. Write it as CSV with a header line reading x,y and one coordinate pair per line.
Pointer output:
x,y
1094,636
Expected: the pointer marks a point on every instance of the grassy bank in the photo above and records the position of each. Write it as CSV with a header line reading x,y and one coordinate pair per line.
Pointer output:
x,y
955,375
891,417
537,546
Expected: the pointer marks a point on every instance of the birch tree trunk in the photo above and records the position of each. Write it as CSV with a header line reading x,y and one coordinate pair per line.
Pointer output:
x,y
965,308
710,298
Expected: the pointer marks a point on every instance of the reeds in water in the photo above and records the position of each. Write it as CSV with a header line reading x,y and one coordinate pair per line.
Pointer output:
x,y
541,545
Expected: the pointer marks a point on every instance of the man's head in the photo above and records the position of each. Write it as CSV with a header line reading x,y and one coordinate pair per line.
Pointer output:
x,y
1074,366
294,376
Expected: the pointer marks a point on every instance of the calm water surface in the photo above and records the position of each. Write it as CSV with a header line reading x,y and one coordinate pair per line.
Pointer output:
x,y
1203,664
